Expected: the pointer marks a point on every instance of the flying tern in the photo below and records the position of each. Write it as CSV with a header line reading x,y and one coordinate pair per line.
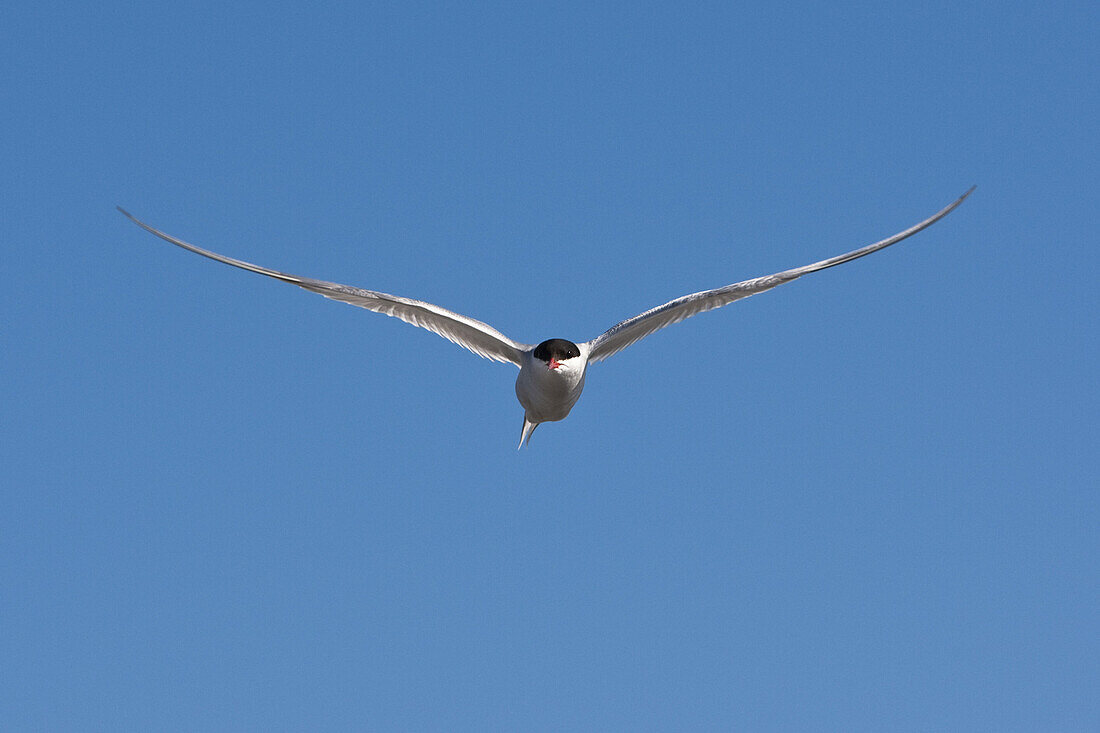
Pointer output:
x,y
551,373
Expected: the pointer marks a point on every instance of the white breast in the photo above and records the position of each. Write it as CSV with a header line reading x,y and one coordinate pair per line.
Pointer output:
x,y
549,394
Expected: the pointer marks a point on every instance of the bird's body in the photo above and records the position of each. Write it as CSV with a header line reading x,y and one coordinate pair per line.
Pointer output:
x,y
551,377
551,373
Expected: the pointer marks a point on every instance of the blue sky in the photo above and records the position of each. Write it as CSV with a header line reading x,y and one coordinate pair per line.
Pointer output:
x,y
866,500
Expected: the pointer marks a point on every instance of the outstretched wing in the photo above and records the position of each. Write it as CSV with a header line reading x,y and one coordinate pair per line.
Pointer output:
x,y
620,336
478,337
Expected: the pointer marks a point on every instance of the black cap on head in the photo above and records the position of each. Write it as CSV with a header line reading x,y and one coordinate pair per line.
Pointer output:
x,y
556,349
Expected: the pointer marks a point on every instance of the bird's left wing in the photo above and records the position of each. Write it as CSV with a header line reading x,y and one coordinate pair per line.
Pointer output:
x,y
618,337
478,337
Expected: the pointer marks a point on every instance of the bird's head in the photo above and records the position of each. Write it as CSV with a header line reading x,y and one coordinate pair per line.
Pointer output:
x,y
558,354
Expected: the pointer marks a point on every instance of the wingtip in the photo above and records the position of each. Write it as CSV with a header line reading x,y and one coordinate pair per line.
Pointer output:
x,y
141,224
962,198
952,206
128,215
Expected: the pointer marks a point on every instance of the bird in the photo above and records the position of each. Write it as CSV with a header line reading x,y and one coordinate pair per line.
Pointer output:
x,y
551,373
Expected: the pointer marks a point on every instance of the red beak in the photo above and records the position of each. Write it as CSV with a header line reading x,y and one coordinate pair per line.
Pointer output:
x,y
554,363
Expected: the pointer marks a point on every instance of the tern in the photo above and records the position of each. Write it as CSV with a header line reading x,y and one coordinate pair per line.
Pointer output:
x,y
551,373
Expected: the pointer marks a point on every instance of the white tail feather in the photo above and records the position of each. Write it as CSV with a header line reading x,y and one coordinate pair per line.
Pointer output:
x,y
528,428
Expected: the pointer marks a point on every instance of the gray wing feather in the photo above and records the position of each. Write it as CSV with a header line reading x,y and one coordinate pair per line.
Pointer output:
x,y
471,334
621,335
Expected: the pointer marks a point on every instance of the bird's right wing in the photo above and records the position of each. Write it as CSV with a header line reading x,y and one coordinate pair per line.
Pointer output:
x,y
624,334
478,337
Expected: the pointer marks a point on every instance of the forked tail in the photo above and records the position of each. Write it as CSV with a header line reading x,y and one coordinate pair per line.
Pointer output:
x,y
528,428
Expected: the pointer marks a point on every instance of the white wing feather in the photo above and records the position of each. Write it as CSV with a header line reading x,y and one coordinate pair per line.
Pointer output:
x,y
618,337
478,337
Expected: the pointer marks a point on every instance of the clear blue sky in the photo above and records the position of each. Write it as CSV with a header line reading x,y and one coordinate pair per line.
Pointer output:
x,y
867,500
